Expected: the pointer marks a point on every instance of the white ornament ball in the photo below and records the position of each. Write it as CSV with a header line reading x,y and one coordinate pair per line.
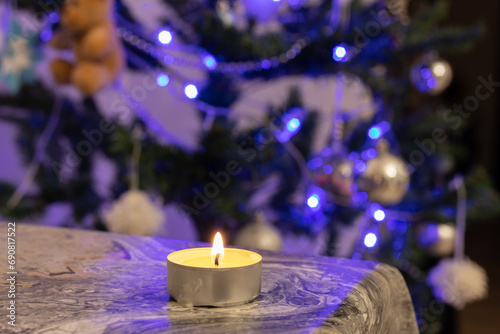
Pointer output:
x,y
134,213
458,282
260,235
437,239
431,75
386,179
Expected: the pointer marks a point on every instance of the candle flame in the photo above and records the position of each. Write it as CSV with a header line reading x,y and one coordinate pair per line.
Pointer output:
x,y
217,250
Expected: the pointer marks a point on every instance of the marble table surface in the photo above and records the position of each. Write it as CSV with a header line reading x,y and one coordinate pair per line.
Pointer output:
x,y
74,281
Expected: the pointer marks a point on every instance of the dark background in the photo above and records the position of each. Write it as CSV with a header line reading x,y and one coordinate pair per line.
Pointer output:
x,y
482,60
482,238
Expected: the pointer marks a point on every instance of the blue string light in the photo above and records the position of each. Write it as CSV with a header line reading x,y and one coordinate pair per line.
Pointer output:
x,y
359,197
432,83
266,64
53,17
291,125
379,215
313,201
374,133
429,236
378,130
370,240
168,59
339,53
314,163
165,37
369,154
360,166
426,73
353,156
398,244
162,80
209,61
191,91
46,34
327,169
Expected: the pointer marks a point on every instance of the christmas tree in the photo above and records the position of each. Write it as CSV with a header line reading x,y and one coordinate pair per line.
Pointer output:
x,y
314,120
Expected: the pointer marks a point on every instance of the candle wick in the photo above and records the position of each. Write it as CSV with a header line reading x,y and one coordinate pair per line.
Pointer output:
x,y
217,259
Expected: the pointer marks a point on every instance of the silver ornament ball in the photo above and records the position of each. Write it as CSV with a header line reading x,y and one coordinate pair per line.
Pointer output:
x,y
386,179
437,239
431,75
260,235
336,176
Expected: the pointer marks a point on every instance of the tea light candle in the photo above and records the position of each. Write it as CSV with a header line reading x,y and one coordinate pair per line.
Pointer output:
x,y
214,276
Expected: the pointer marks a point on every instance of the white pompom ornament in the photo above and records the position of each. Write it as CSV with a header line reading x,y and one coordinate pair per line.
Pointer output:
x,y
458,282
259,234
436,238
134,213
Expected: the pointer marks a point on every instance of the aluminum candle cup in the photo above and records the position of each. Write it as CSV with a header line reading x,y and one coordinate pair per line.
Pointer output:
x,y
193,278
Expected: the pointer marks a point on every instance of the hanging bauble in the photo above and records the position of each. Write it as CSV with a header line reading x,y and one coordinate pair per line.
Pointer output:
x,y
431,75
437,239
458,282
386,178
260,235
134,213
334,173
